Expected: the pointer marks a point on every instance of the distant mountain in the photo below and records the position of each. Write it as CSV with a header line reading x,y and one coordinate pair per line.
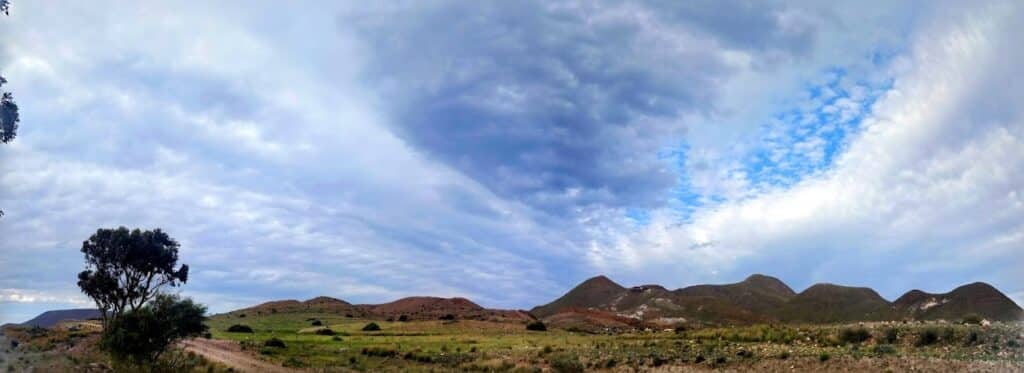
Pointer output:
x,y
413,308
50,318
826,303
598,301
591,293
976,298
759,294
426,307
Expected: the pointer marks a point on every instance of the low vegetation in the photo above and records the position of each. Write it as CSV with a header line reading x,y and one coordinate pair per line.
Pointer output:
x,y
482,346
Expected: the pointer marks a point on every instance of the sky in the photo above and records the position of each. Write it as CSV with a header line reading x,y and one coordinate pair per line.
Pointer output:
x,y
506,151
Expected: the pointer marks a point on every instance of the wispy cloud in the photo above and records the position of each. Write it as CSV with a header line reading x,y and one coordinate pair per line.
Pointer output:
x,y
504,151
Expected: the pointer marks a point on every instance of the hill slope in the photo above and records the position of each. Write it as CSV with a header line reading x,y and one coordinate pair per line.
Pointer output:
x,y
50,318
592,293
758,294
977,298
824,303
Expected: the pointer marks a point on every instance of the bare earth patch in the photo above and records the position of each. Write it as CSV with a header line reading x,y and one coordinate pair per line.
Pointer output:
x,y
230,353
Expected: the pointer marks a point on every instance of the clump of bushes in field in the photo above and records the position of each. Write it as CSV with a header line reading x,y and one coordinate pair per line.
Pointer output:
x,y
371,327
379,352
566,364
239,328
403,318
890,335
824,356
274,342
325,331
928,336
316,323
854,335
536,326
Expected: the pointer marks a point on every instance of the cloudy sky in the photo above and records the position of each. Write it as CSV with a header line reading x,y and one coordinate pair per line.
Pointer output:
x,y
505,151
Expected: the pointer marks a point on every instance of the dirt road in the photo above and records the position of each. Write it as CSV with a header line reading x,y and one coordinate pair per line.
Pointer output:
x,y
230,353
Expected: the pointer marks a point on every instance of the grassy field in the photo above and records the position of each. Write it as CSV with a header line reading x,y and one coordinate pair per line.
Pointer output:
x,y
488,346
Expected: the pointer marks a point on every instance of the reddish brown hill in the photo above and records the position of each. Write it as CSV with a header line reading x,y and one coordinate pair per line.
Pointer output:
x,y
592,293
426,307
976,298
591,321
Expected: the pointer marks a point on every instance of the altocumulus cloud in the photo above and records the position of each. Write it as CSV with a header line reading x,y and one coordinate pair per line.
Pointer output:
x,y
503,151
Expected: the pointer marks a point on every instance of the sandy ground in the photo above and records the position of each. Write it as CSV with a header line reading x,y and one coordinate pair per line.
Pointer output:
x,y
230,353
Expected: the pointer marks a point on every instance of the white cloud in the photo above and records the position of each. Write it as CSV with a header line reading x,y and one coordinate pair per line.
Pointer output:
x,y
931,185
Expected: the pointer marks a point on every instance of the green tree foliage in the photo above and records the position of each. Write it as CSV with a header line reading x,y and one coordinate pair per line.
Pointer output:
x,y
8,109
125,269
140,336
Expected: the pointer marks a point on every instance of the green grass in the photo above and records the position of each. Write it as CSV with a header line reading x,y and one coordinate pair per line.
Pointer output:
x,y
487,346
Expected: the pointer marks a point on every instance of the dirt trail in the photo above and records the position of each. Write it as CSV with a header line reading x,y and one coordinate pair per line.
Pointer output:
x,y
230,353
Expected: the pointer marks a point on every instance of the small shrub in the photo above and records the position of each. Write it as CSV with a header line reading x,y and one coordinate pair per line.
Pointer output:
x,y
316,323
371,327
447,317
824,356
241,315
336,339
566,364
379,352
274,342
972,338
881,350
207,335
699,359
403,318
325,331
536,326
1013,343
784,355
854,335
293,362
927,337
680,329
547,350
239,328
948,334
971,318
890,335
745,354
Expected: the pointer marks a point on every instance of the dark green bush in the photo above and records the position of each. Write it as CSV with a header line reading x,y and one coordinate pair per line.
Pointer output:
x,y
824,356
239,328
536,326
403,318
274,342
927,337
324,331
317,323
371,327
854,335
447,317
890,335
